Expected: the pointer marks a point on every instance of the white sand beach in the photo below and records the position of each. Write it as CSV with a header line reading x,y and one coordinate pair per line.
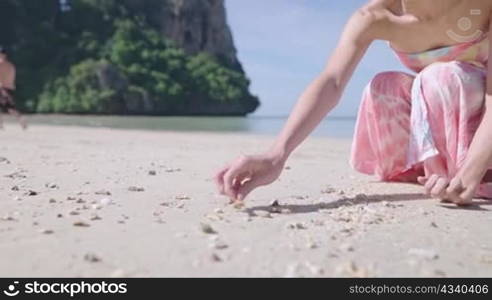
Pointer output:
x,y
88,202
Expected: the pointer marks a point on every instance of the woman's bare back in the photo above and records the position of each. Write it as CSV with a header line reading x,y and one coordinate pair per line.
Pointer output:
x,y
440,23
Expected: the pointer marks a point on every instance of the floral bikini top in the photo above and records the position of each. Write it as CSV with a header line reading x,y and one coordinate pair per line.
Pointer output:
x,y
475,52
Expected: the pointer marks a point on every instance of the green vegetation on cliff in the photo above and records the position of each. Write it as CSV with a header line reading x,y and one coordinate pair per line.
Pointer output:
x,y
104,57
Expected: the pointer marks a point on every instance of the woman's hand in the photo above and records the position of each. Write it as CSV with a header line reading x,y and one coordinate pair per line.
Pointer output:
x,y
238,179
435,186
459,190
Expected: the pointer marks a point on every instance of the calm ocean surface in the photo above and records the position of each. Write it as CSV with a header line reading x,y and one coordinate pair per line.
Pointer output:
x,y
331,127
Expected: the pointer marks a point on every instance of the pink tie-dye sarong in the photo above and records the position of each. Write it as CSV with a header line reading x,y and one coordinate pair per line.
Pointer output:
x,y
405,120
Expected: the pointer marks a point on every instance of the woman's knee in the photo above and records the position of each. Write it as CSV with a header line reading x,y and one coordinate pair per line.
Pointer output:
x,y
386,82
389,86
444,71
448,81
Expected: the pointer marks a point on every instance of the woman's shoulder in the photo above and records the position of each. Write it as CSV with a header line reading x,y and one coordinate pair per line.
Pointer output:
x,y
381,4
379,16
377,10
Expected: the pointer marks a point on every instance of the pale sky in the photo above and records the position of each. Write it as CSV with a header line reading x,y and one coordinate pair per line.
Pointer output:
x,y
284,44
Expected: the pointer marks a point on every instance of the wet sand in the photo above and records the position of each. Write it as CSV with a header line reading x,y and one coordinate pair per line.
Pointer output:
x,y
115,203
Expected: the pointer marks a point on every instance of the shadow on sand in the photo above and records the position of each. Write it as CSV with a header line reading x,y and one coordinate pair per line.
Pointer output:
x,y
363,200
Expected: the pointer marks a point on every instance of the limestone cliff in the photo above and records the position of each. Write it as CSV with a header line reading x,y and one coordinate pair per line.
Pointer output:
x,y
106,57
198,26
195,25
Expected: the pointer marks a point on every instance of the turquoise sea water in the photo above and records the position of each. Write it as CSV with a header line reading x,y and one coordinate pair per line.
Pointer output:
x,y
332,127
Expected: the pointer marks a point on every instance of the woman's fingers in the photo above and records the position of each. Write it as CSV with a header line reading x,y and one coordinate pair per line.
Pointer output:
x,y
246,188
429,185
466,197
240,179
229,182
422,180
459,194
219,179
439,189
454,190
230,177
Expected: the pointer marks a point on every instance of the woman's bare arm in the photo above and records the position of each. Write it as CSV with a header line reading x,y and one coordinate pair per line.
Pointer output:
x,y
479,157
372,22
324,93
238,178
